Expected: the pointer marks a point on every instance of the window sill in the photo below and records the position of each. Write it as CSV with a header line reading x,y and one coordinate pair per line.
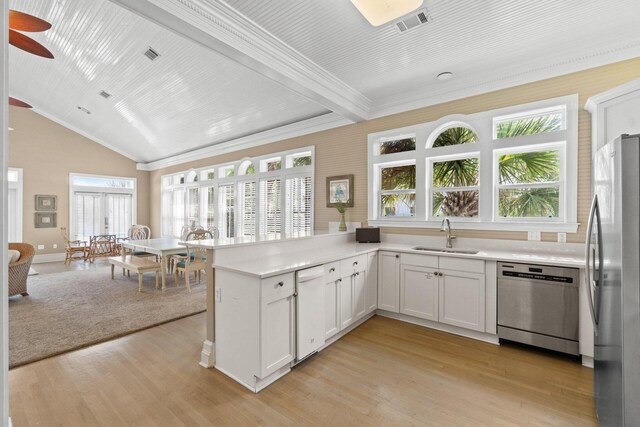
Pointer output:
x,y
555,227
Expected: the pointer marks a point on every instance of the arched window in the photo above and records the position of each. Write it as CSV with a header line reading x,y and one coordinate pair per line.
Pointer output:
x,y
246,168
456,133
454,179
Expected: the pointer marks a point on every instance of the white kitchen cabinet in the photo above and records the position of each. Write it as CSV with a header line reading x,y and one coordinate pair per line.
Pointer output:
x,y
371,291
389,281
255,326
278,332
352,290
332,300
443,289
419,292
461,299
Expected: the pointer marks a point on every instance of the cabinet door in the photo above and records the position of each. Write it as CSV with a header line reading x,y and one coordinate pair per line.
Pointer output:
x,y
388,281
277,332
346,289
371,288
462,299
331,308
359,294
419,292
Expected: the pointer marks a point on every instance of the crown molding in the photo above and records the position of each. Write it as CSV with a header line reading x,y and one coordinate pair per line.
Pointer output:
x,y
216,25
592,103
316,124
476,85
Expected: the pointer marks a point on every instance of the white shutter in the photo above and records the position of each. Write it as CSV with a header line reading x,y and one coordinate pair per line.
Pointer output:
x,y
298,205
209,208
270,209
119,213
88,218
193,206
178,211
226,204
247,199
166,224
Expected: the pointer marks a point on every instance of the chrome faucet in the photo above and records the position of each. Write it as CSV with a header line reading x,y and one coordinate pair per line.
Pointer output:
x,y
446,226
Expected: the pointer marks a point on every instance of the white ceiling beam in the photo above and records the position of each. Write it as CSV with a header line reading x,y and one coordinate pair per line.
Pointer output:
x,y
216,25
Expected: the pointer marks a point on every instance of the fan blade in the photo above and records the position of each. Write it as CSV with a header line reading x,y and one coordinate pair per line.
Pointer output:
x,y
18,103
28,44
24,22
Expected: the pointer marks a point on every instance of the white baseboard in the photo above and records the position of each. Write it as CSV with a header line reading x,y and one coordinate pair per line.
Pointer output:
x,y
587,361
38,259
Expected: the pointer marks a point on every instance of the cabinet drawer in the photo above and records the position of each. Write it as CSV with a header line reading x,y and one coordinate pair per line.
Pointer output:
x,y
278,285
419,260
353,264
331,272
462,264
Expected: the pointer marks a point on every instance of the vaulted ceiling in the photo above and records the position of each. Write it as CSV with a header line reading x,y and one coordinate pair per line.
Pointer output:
x,y
247,71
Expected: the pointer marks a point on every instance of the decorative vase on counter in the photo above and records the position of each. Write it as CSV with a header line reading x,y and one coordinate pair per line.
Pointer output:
x,y
343,225
341,207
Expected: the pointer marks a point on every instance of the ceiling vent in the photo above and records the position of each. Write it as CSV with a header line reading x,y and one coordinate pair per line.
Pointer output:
x,y
412,20
105,95
151,54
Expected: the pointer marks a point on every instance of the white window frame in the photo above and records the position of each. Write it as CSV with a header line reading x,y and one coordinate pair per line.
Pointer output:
x,y
286,170
488,147
431,190
97,189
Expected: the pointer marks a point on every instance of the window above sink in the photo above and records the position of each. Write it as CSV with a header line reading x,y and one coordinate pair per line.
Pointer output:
x,y
513,168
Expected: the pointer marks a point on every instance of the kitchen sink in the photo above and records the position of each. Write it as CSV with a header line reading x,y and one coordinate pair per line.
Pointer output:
x,y
449,251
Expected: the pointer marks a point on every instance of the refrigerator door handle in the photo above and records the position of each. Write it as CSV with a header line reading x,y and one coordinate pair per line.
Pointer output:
x,y
587,270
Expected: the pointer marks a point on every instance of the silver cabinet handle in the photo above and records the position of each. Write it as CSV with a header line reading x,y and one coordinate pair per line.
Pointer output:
x,y
331,270
357,273
280,284
355,263
397,256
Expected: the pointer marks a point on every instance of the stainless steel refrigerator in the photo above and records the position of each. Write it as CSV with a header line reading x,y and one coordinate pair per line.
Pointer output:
x,y
613,269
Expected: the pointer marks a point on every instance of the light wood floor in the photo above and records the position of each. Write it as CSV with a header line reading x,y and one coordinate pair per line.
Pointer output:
x,y
60,266
384,373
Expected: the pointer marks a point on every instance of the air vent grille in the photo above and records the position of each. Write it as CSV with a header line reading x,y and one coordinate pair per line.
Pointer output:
x,y
151,54
105,95
412,20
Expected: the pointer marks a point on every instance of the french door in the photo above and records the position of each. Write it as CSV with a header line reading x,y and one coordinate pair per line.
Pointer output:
x,y
101,213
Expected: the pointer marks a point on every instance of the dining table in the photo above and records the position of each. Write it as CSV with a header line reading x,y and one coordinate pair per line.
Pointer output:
x,y
163,247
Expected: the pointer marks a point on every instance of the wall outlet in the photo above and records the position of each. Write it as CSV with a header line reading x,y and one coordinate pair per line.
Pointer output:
x,y
218,294
40,247
55,246
534,235
562,237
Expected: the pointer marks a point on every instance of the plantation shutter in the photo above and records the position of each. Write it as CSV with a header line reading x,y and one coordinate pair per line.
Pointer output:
x,y
167,227
247,199
226,205
178,211
119,213
271,209
87,218
298,205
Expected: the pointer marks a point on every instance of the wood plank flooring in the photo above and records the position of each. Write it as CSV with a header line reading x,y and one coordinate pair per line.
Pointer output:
x,y
385,373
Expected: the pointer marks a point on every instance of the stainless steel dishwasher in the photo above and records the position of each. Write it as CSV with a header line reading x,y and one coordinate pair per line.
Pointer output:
x,y
538,305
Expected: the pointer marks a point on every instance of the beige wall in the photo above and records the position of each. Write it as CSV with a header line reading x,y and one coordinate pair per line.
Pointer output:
x,y
47,152
344,150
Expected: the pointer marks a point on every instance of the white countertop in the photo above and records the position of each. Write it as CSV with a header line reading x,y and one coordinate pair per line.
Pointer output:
x,y
279,264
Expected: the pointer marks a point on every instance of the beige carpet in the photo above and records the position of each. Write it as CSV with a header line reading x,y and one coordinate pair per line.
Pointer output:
x,y
74,309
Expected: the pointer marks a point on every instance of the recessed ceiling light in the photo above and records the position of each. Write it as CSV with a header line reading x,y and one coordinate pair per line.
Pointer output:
x,y
84,110
379,12
445,76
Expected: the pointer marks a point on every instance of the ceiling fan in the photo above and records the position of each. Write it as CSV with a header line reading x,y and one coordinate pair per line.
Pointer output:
x,y
20,21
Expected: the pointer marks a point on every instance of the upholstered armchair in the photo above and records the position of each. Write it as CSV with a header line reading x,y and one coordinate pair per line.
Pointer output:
x,y
19,270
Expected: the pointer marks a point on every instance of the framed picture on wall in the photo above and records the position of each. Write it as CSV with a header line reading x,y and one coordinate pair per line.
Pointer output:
x,y
46,202
340,190
46,220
